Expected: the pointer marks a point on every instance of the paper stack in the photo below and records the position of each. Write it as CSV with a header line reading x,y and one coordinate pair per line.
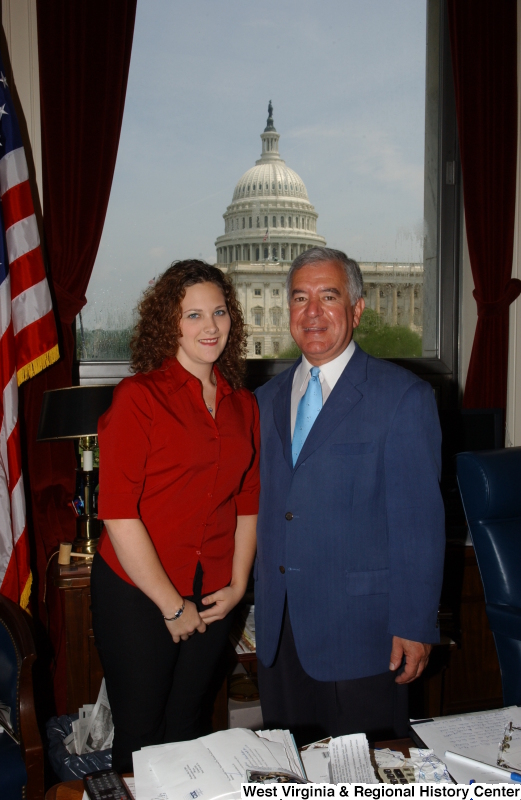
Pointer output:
x,y
243,632
94,729
345,759
212,766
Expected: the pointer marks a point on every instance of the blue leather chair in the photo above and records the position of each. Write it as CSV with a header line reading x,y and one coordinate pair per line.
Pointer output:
x,y
490,486
21,765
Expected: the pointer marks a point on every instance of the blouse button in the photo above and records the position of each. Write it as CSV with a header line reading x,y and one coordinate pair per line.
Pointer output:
x,y
198,552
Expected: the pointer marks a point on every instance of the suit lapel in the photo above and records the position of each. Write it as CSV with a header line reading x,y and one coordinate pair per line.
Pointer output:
x,y
340,402
282,412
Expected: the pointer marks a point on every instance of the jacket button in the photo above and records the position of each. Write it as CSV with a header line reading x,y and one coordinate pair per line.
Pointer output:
x,y
282,569
289,516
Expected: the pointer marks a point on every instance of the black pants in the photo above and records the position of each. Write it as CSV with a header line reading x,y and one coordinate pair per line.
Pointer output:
x,y
156,688
313,709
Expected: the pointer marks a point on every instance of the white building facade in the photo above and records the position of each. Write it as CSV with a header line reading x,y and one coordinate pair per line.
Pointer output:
x,y
269,222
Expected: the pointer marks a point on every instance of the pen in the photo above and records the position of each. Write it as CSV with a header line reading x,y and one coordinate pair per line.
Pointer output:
x,y
502,774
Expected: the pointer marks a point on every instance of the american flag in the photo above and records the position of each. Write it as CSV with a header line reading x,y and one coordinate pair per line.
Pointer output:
x,y
28,340
266,234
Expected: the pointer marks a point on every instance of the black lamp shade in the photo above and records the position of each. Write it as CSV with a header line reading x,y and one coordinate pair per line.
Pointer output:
x,y
73,412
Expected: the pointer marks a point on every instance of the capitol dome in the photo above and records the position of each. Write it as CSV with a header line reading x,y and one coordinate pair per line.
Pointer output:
x,y
270,218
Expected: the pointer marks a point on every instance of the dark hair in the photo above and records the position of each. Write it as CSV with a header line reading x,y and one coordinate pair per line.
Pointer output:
x,y
157,331
317,255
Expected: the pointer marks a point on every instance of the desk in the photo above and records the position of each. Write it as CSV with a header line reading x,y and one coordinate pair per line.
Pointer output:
x,y
73,790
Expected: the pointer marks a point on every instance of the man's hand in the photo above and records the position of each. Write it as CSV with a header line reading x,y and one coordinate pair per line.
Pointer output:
x,y
416,658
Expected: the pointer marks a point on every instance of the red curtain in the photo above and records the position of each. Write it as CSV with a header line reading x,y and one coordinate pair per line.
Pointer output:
x,y
84,57
484,57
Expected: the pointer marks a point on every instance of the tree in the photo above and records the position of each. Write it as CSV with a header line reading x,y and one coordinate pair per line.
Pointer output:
x,y
386,341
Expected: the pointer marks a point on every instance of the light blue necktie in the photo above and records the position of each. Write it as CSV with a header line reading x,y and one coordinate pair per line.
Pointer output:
x,y
308,410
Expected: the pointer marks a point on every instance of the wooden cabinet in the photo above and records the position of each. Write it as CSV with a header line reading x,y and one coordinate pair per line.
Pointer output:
x,y
84,672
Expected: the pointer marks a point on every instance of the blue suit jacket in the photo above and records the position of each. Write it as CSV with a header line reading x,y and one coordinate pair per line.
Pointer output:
x,y
354,534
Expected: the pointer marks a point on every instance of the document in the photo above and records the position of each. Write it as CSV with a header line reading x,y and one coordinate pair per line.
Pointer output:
x,y
94,729
5,722
146,783
350,760
474,735
285,738
316,760
188,770
99,728
212,766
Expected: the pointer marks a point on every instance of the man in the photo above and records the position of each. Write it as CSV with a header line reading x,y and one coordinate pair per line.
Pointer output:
x,y
351,524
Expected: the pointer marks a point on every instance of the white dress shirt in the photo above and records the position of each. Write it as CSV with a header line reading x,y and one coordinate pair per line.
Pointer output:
x,y
329,375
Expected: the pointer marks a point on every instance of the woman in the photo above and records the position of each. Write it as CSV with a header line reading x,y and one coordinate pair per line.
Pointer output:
x,y
178,494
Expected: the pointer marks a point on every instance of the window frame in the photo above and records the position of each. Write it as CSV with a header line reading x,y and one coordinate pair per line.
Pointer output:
x,y
442,370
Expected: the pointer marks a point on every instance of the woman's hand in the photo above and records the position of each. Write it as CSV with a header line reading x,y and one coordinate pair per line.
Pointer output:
x,y
227,598
187,624
224,599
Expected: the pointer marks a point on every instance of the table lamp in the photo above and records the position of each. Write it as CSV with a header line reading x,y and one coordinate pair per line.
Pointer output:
x,y
73,413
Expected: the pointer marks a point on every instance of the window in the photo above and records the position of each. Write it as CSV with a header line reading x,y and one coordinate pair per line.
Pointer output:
x,y
275,292
258,348
282,222
257,317
421,216
257,292
276,316
276,348
250,222
243,222
274,222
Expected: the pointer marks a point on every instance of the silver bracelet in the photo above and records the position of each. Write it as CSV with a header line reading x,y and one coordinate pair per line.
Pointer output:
x,y
176,615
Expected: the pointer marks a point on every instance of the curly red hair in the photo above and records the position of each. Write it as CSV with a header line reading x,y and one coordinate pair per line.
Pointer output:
x,y
157,331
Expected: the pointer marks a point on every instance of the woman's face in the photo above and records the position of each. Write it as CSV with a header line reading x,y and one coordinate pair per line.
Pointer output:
x,y
205,325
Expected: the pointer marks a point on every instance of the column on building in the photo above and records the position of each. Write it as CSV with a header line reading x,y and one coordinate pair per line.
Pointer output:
x,y
245,304
266,317
411,305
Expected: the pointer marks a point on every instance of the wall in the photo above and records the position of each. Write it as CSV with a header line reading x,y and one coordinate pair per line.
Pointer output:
x,y
513,428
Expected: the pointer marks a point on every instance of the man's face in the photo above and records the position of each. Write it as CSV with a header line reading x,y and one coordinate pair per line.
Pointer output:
x,y
322,318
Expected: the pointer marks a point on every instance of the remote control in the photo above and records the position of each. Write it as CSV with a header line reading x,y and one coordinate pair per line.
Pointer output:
x,y
106,785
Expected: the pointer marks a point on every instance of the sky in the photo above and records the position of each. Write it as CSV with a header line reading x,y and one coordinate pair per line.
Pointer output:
x,y
347,83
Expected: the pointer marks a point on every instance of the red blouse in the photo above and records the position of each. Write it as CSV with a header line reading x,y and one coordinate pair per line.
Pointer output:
x,y
166,461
